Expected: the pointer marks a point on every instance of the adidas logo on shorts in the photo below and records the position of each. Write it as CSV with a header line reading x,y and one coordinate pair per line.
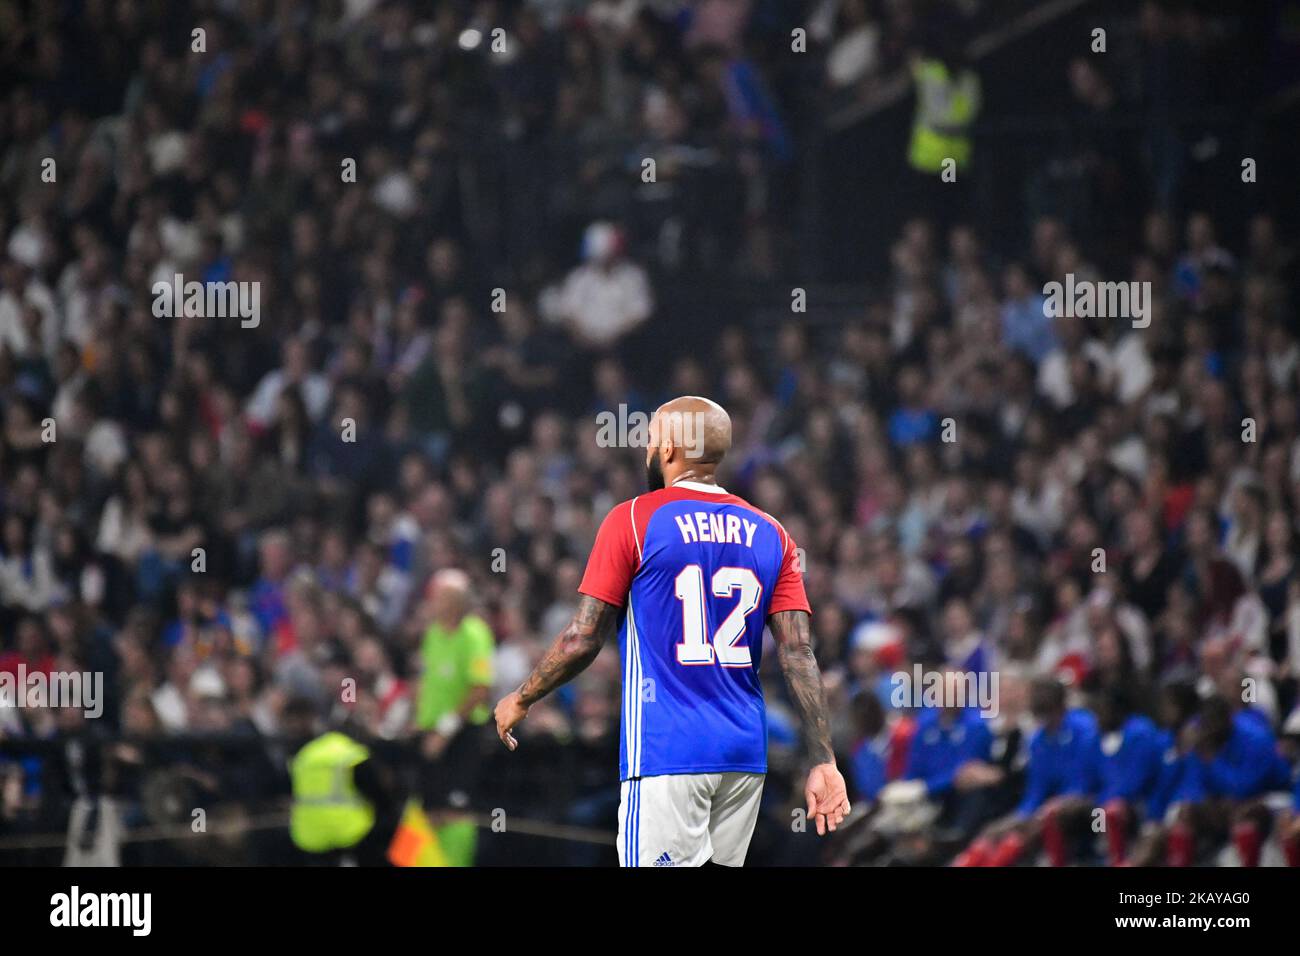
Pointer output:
x,y
664,860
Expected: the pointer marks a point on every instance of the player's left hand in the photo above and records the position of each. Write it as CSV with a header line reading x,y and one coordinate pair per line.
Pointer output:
x,y
509,712
827,796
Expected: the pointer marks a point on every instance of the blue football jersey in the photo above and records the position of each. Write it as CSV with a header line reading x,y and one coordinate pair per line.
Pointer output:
x,y
696,572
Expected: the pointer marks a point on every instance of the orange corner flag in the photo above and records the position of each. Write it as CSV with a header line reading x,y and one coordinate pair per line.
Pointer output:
x,y
415,843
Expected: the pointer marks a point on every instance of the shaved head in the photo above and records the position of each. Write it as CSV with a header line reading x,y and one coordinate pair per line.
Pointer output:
x,y
689,436
451,579
448,594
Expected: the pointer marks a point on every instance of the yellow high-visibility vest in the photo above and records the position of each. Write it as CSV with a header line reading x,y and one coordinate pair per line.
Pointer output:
x,y
328,813
945,108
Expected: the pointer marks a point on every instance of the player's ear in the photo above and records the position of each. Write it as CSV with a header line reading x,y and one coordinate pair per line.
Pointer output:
x,y
668,451
668,432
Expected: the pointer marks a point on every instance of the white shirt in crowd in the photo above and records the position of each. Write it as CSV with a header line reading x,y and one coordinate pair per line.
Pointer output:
x,y
13,330
599,304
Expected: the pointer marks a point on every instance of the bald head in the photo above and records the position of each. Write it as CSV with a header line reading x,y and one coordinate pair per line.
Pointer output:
x,y
448,594
453,580
689,436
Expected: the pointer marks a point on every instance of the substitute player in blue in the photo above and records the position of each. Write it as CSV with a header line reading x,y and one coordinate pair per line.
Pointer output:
x,y
1130,768
1062,770
689,575
1232,764
952,754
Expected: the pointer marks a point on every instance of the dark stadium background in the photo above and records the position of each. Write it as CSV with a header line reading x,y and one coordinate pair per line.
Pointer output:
x,y
476,429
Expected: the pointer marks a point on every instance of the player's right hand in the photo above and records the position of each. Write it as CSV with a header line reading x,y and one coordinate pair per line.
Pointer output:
x,y
509,712
827,796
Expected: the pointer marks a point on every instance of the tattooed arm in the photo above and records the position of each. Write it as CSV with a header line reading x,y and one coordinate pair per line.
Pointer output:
x,y
825,792
570,654
794,648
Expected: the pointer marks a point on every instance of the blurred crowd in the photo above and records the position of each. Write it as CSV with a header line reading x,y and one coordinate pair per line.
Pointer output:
x,y
227,521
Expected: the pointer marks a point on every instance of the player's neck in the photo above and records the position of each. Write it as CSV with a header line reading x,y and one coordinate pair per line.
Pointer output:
x,y
693,477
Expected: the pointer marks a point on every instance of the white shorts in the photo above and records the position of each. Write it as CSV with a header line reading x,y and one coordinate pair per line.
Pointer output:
x,y
688,819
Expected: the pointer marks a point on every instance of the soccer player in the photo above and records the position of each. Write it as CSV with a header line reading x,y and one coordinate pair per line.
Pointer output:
x,y
1232,764
688,575
1176,708
1130,767
952,754
1061,775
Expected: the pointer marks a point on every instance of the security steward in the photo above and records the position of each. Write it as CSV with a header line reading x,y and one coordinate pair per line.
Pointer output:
x,y
344,807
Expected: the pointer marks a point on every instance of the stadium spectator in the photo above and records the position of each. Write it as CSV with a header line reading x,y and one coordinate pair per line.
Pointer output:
x,y
607,297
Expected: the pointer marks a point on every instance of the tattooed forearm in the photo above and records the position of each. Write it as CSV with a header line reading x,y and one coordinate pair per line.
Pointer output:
x,y
575,648
793,635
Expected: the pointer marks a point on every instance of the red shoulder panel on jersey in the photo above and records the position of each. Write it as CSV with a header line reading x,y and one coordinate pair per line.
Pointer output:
x,y
616,554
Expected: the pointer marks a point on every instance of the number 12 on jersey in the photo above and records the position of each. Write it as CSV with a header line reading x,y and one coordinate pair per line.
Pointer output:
x,y
695,647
